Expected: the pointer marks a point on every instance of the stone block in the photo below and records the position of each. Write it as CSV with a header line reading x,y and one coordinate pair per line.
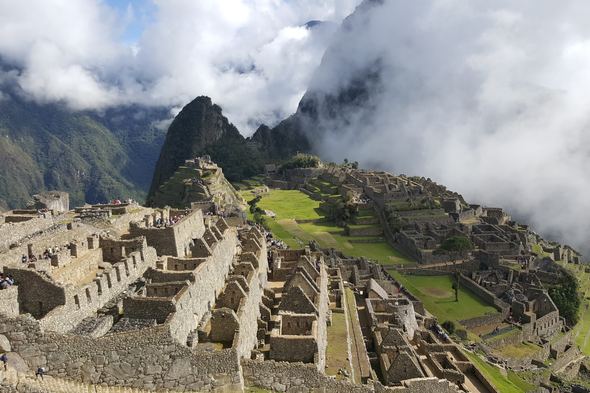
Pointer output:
x,y
4,344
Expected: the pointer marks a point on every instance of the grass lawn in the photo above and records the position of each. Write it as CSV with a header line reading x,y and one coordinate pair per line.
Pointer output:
x,y
292,205
518,351
511,383
438,296
337,349
288,204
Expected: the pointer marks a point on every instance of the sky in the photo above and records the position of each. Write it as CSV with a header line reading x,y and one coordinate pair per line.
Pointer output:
x,y
254,57
488,98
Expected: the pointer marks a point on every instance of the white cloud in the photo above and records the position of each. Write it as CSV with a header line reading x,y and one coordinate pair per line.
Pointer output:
x,y
489,99
251,56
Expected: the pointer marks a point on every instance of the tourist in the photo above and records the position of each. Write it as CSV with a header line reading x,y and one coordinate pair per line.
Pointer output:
x,y
4,360
40,372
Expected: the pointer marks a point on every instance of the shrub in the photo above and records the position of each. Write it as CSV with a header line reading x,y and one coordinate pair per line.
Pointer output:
x,y
449,326
301,161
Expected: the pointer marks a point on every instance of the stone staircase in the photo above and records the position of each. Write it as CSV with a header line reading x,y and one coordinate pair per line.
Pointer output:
x,y
12,381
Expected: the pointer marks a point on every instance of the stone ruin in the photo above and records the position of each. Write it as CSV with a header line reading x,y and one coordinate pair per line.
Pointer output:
x,y
200,183
56,201
180,299
191,299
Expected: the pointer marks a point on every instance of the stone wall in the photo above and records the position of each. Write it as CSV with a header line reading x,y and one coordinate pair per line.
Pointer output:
x,y
150,359
9,301
484,294
495,319
375,230
148,308
502,340
39,295
113,250
78,268
61,308
249,311
568,356
209,281
559,345
173,240
305,378
14,233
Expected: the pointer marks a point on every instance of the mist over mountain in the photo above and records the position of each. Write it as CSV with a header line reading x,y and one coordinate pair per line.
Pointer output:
x,y
488,99
95,156
255,58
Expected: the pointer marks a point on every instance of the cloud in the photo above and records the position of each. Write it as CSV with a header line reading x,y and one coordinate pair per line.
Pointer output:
x,y
254,57
490,99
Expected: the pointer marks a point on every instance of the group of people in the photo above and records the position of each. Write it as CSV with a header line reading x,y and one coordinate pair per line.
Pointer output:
x,y
4,359
6,281
118,201
168,222
47,254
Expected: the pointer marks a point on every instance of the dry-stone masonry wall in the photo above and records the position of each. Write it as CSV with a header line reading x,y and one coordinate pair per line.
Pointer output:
x,y
150,360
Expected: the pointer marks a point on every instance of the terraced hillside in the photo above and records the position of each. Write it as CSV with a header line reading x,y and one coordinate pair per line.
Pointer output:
x,y
299,219
196,182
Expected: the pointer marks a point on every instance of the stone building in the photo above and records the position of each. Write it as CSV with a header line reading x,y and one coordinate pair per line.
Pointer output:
x,y
299,332
56,201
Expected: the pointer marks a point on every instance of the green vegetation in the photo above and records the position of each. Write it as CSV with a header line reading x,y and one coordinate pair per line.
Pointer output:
x,y
95,157
506,334
518,351
436,292
337,349
511,383
449,326
582,328
538,249
566,298
300,220
301,161
456,245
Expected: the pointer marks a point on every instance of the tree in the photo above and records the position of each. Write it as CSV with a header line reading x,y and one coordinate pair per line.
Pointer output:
x,y
449,326
301,160
455,286
455,246
566,297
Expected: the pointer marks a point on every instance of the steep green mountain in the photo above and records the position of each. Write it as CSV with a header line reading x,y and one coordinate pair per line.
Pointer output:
x,y
94,156
201,129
